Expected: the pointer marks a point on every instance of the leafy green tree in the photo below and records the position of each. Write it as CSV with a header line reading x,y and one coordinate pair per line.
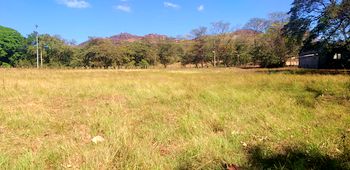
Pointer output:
x,y
77,57
53,50
241,52
142,51
219,48
11,46
98,53
322,25
29,57
198,53
186,57
271,49
144,64
122,56
220,43
169,53
325,20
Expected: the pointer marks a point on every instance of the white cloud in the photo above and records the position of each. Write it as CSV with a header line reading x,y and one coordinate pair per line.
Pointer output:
x,y
124,8
200,8
171,5
75,3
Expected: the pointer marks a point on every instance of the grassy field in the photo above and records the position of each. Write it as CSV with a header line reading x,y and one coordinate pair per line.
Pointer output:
x,y
173,119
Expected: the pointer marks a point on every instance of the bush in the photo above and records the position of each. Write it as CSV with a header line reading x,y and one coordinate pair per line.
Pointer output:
x,y
5,65
130,64
144,64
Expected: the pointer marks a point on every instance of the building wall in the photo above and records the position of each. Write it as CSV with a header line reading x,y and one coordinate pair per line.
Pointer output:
x,y
309,62
294,61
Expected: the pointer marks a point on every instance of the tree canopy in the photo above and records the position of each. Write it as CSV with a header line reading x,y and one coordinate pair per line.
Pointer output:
x,y
324,20
11,46
259,43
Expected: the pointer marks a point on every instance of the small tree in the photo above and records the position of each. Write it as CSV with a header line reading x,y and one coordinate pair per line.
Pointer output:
x,y
271,49
198,52
169,53
220,44
99,53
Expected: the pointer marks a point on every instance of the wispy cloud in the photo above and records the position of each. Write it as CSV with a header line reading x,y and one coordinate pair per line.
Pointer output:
x,y
171,5
200,8
75,3
124,8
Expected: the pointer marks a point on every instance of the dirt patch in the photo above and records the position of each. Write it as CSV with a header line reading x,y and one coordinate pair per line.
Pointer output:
x,y
166,149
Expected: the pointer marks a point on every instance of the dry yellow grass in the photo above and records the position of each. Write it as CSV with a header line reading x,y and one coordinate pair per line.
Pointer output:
x,y
165,119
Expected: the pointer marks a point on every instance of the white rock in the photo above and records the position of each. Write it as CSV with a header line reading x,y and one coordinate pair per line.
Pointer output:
x,y
244,144
97,139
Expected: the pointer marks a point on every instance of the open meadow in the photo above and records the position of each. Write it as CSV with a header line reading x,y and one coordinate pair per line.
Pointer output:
x,y
173,119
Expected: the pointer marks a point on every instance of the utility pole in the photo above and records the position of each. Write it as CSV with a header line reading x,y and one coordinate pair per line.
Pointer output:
x,y
41,58
214,58
37,47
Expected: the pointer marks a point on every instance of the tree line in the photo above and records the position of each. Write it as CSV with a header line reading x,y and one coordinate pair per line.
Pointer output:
x,y
217,45
264,42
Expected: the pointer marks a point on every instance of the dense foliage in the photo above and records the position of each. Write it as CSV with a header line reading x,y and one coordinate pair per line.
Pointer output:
x,y
321,20
11,46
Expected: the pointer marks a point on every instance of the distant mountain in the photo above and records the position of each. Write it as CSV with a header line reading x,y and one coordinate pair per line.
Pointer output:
x,y
126,37
155,38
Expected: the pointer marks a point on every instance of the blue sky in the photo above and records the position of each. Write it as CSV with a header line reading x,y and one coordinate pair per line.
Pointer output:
x,y
79,19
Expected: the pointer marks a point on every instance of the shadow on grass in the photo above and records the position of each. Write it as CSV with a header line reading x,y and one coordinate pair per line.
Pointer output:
x,y
296,158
